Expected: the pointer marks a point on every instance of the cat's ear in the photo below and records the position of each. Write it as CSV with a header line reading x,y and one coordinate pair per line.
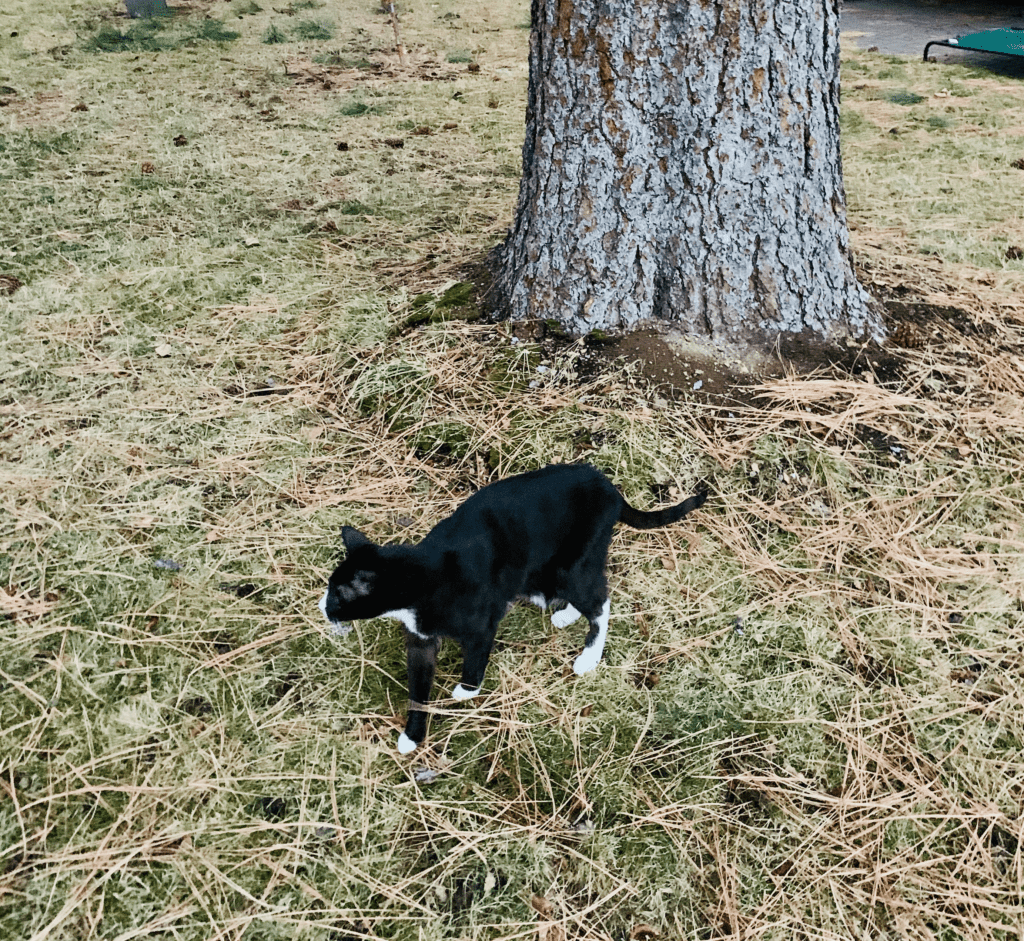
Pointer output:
x,y
353,538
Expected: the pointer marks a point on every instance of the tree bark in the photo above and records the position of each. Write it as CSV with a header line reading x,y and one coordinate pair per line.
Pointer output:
x,y
681,164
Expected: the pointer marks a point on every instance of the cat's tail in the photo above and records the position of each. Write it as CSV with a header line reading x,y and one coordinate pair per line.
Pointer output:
x,y
638,519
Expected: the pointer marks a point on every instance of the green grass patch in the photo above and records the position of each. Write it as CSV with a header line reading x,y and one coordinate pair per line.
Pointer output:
x,y
273,35
903,97
157,34
313,30
356,108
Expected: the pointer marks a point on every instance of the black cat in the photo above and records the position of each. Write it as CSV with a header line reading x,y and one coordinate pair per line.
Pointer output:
x,y
539,537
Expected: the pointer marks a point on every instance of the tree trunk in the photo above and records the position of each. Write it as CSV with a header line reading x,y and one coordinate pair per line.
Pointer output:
x,y
681,164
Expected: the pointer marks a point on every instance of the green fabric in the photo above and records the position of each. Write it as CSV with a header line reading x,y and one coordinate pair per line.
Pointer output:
x,y
1008,41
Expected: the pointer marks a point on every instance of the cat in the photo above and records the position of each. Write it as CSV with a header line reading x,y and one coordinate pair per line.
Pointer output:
x,y
542,536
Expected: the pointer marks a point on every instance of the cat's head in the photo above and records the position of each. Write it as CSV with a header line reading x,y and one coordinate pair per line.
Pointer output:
x,y
360,587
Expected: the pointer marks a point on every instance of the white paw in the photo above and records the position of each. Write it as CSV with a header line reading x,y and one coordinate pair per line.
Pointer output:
x,y
460,692
565,617
405,744
586,661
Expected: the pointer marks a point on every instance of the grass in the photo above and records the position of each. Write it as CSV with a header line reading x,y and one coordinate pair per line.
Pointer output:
x,y
810,720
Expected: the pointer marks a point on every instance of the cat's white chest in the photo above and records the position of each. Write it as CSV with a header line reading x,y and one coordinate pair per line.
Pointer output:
x,y
408,618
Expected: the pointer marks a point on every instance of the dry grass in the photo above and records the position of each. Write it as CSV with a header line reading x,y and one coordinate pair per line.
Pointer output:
x,y
810,718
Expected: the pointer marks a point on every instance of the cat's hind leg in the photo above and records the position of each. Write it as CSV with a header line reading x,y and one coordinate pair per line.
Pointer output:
x,y
568,615
593,648
561,618
475,654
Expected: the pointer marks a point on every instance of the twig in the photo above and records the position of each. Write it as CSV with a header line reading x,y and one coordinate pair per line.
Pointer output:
x,y
394,26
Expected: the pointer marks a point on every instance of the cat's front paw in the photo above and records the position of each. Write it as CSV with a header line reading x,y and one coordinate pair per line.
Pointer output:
x,y
406,744
460,692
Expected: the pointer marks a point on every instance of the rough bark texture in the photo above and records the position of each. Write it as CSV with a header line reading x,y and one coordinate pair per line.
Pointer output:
x,y
681,163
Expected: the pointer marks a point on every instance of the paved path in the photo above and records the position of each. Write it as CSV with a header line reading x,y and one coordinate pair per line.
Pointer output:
x,y
904,26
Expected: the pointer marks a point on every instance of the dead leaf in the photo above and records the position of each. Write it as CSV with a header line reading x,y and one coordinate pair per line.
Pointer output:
x,y
542,906
643,933
18,604
8,285
164,350
646,679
